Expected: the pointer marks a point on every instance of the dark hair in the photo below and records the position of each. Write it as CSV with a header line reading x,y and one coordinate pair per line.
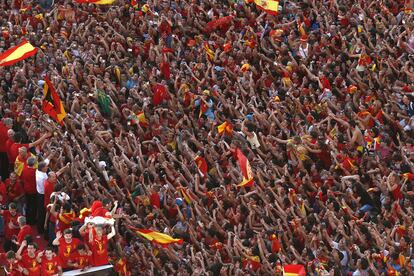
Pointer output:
x,y
17,137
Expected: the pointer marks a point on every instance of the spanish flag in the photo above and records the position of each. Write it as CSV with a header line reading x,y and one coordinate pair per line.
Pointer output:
x,y
185,195
19,165
157,237
85,212
209,52
52,105
201,164
121,267
67,218
226,128
294,270
17,53
268,6
245,169
96,2
409,176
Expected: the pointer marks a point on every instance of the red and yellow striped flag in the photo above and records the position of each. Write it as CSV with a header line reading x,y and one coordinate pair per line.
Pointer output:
x,y
17,53
96,2
157,237
201,164
226,128
185,195
52,105
245,169
294,270
268,6
209,52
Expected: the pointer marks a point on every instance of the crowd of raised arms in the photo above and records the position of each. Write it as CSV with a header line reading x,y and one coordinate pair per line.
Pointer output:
x,y
208,137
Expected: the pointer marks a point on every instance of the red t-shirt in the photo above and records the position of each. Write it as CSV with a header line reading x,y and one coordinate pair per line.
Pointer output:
x,y
10,232
49,188
100,251
3,193
28,178
83,260
24,231
100,212
13,190
30,264
50,267
3,137
14,151
8,144
67,251
12,268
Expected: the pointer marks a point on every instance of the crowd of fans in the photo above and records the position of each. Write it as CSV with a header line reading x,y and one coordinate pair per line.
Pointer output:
x,y
320,100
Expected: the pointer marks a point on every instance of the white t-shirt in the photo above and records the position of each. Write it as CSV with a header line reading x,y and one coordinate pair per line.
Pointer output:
x,y
344,261
41,177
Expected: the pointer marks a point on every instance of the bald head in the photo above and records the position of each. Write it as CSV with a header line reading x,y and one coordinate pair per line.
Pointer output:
x,y
10,133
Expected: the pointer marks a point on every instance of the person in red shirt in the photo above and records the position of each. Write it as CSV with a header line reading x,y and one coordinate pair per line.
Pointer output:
x,y
11,227
51,220
65,217
3,193
50,263
30,260
28,177
66,248
13,267
14,188
99,245
13,150
25,230
21,160
83,258
5,125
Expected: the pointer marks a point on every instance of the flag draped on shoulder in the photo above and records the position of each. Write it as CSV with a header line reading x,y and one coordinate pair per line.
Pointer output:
x,y
17,53
157,237
246,170
96,2
52,105
268,6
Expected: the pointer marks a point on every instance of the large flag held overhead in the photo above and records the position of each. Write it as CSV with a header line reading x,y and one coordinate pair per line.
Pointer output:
x,y
157,237
218,23
245,169
294,270
17,53
52,105
97,2
268,6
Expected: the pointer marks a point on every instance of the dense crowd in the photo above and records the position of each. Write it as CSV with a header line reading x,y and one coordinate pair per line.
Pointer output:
x,y
319,98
